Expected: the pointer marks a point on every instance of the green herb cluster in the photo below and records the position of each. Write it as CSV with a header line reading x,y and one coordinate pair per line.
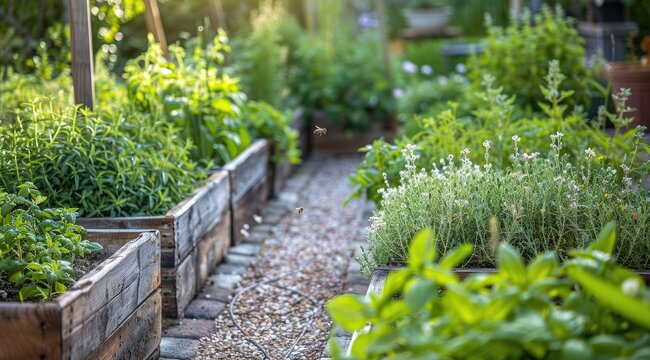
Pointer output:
x,y
192,94
540,204
267,122
517,56
38,246
497,120
106,163
587,307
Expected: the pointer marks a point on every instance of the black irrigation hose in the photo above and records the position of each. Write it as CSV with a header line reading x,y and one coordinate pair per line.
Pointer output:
x,y
270,281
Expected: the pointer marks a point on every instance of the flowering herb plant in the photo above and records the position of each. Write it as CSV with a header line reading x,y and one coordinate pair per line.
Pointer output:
x,y
497,118
540,203
586,307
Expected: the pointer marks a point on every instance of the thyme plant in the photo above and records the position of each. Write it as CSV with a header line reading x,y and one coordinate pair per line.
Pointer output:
x,y
541,203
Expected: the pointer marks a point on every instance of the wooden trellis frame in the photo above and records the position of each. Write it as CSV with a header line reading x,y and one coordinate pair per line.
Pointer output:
x,y
83,74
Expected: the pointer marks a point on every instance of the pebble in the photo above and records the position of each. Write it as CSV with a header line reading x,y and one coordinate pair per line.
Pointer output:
x,y
313,249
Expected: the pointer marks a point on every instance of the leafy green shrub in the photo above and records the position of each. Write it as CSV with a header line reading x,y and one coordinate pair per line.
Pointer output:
x,y
267,122
517,56
496,120
259,56
585,308
430,97
38,246
541,204
190,93
349,85
108,164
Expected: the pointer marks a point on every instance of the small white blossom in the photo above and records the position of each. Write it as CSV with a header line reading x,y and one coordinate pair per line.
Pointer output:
x,y
516,138
589,153
426,69
630,287
409,67
486,144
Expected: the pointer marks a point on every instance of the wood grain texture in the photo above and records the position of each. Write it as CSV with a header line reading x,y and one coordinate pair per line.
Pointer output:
x,y
96,305
252,203
213,248
138,337
200,213
83,75
30,331
183,225
248,169
179,286
77,322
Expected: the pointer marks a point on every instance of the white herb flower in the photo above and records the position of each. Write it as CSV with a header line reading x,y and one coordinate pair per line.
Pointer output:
x,y
486,144
516,138
409,67
465,152
589,153
630,287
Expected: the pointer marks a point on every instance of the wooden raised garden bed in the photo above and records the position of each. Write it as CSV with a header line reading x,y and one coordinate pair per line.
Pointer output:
x,y
248,178
195,235
114,311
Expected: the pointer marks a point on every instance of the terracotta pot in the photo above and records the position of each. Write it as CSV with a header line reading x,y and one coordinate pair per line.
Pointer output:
x,y
635,77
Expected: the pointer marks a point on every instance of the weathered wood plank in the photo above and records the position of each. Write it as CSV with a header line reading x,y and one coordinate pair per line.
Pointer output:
x,y
164,224
200,213
179,286
252,203
112,239
138,336
83,75
212,248
30,331
248,169
107,292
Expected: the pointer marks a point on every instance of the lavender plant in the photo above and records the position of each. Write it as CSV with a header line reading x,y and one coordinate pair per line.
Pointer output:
x,y
541,203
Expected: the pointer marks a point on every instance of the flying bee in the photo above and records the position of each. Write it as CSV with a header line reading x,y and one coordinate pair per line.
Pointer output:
x,y
299,210
320,131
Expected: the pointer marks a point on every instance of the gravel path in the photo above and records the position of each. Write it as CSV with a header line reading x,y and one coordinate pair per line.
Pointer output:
x,y
311,253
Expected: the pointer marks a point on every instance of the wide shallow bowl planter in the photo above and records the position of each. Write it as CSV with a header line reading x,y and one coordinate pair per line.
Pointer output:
x,y
195,235
434,18
114,311
635,77
249,186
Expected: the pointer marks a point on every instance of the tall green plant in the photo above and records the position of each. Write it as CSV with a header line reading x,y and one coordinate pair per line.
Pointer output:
x,y
191,93
105,163
518,55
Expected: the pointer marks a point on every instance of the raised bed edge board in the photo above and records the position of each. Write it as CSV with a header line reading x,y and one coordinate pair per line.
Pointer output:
x,y
183,226
248,178
185,231
89,320
378,280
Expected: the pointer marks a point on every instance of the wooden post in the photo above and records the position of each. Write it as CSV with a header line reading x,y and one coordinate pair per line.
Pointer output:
x,y
379,7
154,24
83,75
